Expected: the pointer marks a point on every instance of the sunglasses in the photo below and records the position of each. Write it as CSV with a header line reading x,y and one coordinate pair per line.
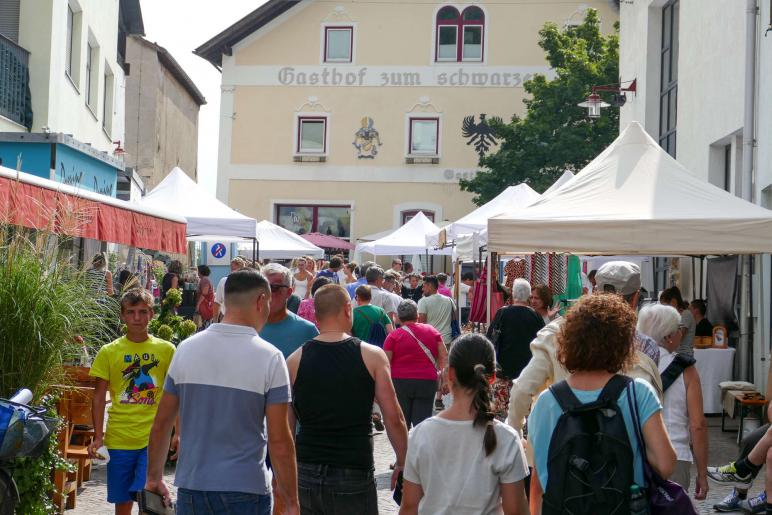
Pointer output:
x,y
277,287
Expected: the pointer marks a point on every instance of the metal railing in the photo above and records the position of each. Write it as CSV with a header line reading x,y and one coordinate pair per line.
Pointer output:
x,y
15,97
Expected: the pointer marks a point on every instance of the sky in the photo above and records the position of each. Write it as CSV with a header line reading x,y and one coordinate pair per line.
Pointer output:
x,y
180,26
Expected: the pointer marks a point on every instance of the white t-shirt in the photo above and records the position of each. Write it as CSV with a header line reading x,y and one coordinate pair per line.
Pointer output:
x,y
439,313
384,299
464,481
219,294
463,292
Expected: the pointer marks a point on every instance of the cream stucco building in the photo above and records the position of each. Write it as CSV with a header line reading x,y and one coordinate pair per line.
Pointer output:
x,y
347,117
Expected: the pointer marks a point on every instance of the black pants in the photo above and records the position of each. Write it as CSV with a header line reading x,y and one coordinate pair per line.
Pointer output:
x,y
750,441
325,490
416,398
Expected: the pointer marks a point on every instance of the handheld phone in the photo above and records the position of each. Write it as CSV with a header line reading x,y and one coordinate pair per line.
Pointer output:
x,y
151,503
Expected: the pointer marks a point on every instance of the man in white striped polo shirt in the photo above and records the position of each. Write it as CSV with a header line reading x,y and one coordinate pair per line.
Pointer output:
x,y
224,382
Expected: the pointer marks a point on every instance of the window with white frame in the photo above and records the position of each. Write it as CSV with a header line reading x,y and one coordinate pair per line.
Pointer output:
x,y
69,42
338,44
92,78
312,135
72,45
107,106
460,35
424,137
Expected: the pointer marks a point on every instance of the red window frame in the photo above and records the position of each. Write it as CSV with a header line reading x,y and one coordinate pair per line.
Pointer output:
x,y
459,23
315,218
302,119
410,135
350,29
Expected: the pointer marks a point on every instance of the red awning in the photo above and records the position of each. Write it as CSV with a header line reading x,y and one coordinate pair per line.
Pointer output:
x,y
38,203
327,241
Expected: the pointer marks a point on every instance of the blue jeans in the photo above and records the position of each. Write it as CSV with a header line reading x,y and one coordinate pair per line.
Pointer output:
x,y
325,490
196,502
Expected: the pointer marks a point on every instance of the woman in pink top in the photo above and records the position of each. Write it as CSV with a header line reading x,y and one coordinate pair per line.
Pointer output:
x,y
306,309
417,355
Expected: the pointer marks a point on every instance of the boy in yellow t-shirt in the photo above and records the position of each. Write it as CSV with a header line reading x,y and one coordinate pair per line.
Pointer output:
x,y
134,368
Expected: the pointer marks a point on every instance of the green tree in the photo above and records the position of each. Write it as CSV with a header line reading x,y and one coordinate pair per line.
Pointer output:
x,y
555,134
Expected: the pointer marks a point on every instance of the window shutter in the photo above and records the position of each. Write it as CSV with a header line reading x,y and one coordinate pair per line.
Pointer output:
x,y
9,19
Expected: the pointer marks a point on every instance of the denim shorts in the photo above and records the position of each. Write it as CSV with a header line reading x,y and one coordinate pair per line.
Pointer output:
x,y
126,474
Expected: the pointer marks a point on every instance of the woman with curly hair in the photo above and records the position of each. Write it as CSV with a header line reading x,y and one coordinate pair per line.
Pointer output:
x,y
595,343
484,474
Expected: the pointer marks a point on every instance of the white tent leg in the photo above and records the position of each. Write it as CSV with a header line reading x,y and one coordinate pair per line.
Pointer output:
x,y
489,293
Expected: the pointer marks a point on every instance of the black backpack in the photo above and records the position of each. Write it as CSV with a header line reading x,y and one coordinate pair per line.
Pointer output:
x,y
590,463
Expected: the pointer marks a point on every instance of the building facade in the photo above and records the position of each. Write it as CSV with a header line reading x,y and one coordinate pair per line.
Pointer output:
x,y
162,106
702,71
348,118
62,78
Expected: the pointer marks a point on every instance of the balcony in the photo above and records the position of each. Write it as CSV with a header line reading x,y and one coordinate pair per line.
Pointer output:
x,y
15,97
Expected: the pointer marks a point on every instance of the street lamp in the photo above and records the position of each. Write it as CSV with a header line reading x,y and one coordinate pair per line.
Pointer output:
x,y
594,103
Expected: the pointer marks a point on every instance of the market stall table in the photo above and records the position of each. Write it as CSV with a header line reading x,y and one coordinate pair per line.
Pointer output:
x,y
714,367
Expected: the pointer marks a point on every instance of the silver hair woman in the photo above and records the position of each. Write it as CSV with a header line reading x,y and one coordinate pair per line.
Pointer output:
x,y
417,355
682,409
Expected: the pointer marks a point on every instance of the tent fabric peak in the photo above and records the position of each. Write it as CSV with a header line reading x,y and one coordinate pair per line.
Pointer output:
x,y
635,199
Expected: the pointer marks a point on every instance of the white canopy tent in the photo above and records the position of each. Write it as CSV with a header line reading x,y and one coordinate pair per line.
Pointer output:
x,y
567,176
178,193
408,239
278,243
634,199
477,221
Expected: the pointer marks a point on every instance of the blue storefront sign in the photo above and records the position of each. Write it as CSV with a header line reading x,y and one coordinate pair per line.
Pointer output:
x,y
62,159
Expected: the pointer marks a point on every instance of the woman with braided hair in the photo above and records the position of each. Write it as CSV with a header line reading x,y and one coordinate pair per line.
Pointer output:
x,y
464,461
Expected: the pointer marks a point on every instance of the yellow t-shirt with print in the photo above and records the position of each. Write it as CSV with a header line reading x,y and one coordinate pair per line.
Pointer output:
x,y
136,373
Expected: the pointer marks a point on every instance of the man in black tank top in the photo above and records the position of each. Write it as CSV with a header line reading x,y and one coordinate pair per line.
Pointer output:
x,y
335,379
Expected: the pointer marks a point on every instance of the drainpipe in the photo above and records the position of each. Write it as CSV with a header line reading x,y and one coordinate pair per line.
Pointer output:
x,y
749,122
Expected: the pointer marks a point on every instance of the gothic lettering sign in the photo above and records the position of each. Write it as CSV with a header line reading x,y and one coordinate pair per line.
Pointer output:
x,y
387,76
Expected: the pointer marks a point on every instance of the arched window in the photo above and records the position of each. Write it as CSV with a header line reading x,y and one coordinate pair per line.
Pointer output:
x,y
460,35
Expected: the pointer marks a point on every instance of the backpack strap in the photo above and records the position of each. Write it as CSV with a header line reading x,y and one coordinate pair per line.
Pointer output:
x,y
614,388
675,369
565,397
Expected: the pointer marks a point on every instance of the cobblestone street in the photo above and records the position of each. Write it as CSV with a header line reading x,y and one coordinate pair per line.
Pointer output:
x,y
723,448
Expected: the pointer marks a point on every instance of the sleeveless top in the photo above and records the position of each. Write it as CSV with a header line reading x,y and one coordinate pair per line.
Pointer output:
x,y
333,399
301,287
675,410
166,283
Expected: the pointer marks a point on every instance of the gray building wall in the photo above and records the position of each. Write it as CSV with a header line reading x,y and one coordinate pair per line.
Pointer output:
x,y
161,117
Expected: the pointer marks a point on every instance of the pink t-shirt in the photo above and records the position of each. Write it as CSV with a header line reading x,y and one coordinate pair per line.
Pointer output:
x,y
306,310
444,290
408,360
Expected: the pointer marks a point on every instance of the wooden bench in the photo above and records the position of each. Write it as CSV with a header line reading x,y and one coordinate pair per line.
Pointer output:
x,y
746,402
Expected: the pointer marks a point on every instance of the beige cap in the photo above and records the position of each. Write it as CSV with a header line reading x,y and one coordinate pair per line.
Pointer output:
x,y
620,277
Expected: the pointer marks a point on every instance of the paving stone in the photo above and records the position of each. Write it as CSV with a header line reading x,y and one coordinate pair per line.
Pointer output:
x,y
723,448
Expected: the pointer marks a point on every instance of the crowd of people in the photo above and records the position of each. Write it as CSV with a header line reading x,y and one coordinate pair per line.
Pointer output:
x,y
273,408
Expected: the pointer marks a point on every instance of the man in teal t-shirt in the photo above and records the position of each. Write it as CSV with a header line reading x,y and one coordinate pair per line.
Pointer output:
x,y
365,315
284,330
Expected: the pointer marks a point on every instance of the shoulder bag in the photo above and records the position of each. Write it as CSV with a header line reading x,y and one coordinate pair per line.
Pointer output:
x,y
665,497
423,348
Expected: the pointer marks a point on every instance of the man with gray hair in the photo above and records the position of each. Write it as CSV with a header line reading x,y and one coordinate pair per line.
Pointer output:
x,y
381,297
617,278
511,332
284,329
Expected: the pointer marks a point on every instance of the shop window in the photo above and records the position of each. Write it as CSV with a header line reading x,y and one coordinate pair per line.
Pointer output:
x,y
303,219
460,35
424,137
312,135
338,44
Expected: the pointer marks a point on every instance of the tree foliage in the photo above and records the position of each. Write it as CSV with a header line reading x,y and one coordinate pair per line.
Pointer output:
x,y
555,134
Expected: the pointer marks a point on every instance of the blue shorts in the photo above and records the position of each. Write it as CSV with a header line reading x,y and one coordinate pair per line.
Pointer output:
x,y
126,474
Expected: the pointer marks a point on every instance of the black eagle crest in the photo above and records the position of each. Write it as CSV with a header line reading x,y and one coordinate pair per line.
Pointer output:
x,y
481,135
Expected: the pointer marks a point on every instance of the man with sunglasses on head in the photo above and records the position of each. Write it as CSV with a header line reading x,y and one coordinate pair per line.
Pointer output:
x,y
284,330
